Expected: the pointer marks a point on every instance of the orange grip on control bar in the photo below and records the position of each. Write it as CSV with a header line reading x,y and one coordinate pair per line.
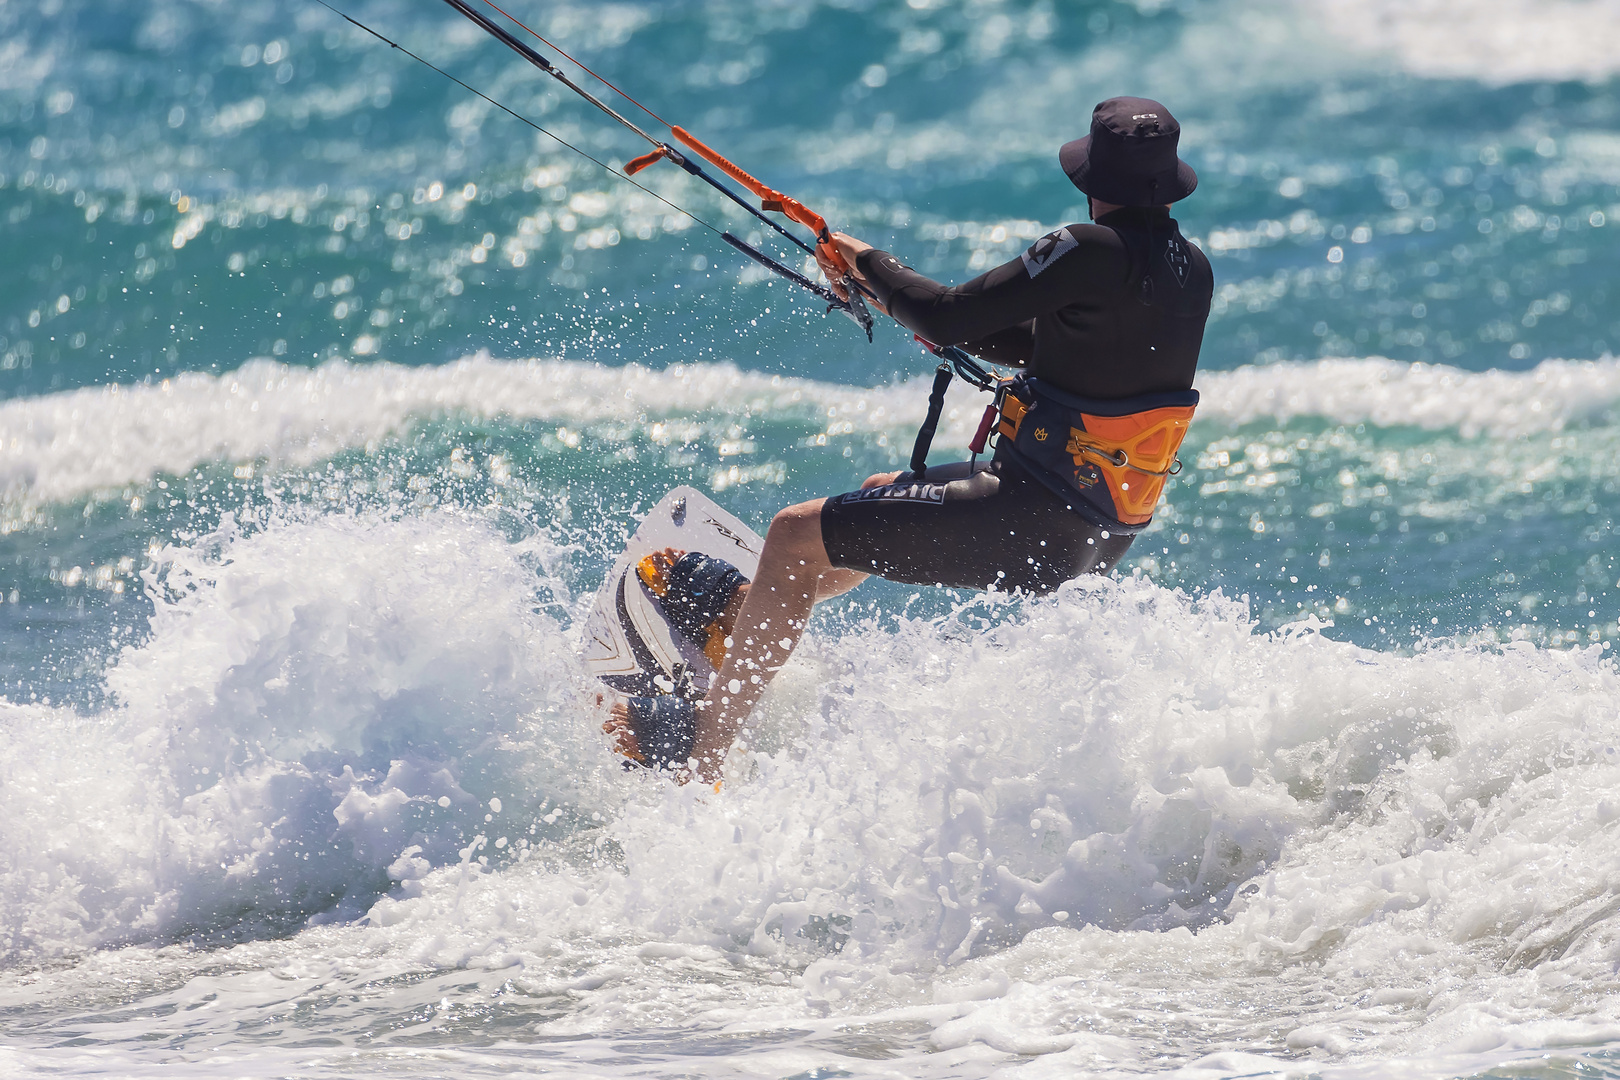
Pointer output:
x,y
636,165
769,197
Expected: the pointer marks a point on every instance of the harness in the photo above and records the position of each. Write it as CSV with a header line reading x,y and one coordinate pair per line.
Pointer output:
x,y
1114,455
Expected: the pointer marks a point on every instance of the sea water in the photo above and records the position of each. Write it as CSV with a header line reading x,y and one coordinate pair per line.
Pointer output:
x,y
328,391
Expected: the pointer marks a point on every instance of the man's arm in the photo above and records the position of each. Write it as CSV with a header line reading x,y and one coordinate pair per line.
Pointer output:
x,y
994,309
1011,347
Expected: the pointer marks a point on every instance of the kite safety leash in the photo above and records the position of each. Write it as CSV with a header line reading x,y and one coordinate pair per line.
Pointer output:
x,y
953,363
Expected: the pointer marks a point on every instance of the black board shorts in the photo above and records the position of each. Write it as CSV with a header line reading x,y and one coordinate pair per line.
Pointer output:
x,y
999,526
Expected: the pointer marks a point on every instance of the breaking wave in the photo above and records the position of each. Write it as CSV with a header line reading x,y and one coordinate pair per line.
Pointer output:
x,y
63,446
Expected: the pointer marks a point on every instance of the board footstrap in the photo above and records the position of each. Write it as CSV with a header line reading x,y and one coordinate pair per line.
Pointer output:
x,y
665,728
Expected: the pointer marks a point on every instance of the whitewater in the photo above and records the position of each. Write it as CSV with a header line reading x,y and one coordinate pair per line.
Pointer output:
x,y
1022,836
1379,850
328,394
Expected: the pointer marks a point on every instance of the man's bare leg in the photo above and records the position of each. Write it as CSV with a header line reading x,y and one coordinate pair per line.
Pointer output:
x,y
767,619
768,628
618,722
833,583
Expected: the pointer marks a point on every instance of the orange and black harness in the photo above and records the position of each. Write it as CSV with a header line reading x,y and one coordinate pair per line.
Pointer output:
x,y
1114,455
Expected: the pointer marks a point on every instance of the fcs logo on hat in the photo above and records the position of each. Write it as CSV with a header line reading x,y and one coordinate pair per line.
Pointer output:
x,y
1145,116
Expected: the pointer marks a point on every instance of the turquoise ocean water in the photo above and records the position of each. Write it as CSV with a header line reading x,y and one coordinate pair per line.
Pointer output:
x,y
327,392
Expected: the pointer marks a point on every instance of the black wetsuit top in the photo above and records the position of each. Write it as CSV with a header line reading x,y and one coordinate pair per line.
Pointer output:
x,y
1074,309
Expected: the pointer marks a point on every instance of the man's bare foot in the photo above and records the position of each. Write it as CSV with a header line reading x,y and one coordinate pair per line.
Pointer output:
x,y
617,726
653,570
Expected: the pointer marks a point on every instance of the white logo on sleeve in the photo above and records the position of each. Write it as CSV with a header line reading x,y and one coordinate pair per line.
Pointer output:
x,y
1047,250
1175,253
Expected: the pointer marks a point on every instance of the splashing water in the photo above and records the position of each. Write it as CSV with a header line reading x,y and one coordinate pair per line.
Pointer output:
x,y
950,831
327,395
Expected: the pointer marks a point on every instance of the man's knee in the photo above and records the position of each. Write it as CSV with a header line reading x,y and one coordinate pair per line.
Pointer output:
x,y
798,518
880,479
798,525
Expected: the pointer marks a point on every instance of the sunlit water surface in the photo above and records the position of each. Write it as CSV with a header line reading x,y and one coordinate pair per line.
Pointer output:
x,y
328,391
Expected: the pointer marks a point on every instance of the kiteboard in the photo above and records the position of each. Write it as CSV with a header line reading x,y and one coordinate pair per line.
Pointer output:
x,y
629,644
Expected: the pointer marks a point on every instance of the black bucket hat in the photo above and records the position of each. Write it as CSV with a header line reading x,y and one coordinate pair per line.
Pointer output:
x,y
1130,156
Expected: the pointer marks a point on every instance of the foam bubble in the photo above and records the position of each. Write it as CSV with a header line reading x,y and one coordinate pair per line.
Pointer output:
x,y
1388,393
1351,836
59,446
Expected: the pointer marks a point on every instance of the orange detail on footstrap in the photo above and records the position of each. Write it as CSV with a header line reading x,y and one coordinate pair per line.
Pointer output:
x,y
1135,453
653,570
715,647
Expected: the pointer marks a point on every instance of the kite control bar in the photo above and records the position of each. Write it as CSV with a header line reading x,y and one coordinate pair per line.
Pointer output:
x,y
793,210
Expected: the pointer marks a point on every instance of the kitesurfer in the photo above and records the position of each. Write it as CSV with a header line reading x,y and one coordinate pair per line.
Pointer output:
x,y
1105,319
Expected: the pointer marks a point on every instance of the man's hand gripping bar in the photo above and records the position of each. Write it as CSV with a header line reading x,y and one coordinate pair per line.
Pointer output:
x,y
794,210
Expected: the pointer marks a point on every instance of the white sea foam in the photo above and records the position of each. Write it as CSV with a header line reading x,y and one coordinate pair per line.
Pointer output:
x,y
266,753
60,446
1493,41
1021,829
63,446
1389,393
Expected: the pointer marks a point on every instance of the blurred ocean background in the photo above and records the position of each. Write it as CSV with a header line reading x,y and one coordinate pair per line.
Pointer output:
x,y
328,391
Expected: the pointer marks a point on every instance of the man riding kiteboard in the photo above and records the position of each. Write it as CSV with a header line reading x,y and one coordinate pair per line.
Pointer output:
x,y
1105,320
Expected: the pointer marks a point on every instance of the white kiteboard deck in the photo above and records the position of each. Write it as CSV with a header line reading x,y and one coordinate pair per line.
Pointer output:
x,y
628,643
